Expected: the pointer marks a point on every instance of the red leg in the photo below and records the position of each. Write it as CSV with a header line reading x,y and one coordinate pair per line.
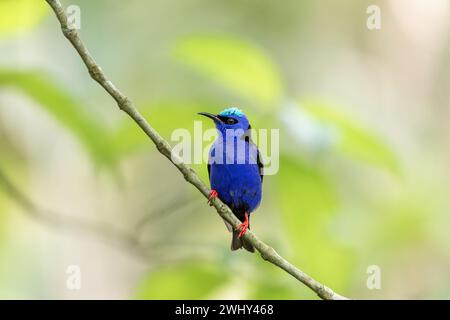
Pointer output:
x,y
213,194
243,226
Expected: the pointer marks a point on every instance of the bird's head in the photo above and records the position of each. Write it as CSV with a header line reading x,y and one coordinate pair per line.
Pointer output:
x,y
229,119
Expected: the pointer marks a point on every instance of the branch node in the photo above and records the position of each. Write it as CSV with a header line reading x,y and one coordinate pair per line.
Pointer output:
x,y
96,73
125,105
269,253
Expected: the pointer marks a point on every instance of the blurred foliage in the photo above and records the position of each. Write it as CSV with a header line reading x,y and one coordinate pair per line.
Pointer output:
x,y
3,215
234,63
159,114
322,211
354,140
308,200
69,112
21,15
306,195
271,289
184,281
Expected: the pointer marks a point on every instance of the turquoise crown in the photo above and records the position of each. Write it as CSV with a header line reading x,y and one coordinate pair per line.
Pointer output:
x,y
232,112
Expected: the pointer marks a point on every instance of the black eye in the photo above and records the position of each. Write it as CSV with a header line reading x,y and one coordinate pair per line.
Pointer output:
x,y
231,121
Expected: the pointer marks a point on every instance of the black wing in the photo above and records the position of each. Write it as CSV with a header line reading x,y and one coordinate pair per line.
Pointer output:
x,y
260,165
209,171
258,155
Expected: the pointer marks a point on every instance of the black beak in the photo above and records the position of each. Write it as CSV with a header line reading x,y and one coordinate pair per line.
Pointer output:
x,y
211,116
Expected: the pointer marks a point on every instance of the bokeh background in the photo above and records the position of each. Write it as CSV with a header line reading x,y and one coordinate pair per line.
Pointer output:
x,y
364,148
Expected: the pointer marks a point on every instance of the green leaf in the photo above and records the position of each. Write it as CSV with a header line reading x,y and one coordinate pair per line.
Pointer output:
x,y
4,209
20,15
271,289
164,116
354,141
307,194
308,202
239,66
65,109
183,281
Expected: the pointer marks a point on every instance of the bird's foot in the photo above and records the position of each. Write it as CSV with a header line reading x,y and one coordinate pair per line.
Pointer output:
x,y
213,194
243,226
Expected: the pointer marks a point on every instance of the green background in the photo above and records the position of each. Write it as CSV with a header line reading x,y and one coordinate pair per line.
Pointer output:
x,y
364,147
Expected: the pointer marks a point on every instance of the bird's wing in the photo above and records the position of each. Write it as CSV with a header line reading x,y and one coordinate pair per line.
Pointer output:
x,y
247,138
209,171
260,165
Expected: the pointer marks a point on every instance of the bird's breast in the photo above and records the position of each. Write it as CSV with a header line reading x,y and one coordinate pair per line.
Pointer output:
x,y
234,174
238,185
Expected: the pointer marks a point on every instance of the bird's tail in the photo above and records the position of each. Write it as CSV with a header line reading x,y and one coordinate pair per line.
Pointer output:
x,y
236,242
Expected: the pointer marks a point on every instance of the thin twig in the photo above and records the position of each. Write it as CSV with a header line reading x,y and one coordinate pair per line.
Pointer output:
x,y
126,105
151,253
127,240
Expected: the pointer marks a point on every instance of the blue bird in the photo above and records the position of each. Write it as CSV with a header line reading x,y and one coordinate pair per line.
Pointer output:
x,y
235,170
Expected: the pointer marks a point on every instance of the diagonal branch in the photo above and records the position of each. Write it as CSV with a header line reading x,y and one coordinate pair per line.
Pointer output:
x,y
128,240
125,104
